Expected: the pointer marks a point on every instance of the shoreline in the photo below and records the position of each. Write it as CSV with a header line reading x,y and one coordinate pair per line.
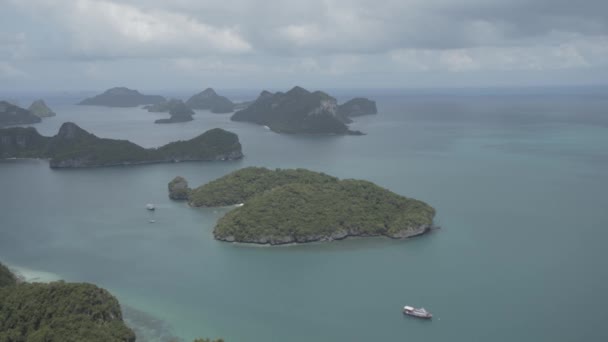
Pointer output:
x,y
420,231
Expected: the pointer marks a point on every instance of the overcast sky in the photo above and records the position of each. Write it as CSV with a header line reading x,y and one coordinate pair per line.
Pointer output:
x,y
192,44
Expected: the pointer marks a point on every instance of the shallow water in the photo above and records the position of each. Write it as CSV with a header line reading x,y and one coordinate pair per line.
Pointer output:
x,y
519,184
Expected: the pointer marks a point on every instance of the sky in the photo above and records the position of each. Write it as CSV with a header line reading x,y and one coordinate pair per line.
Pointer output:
x,y
74,45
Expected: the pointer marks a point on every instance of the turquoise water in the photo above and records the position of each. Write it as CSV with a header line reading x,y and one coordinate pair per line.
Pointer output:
x,y
519,184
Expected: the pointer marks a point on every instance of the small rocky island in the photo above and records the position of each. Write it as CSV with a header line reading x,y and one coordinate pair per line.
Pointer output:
x,y
74,147
59,311
208,99
122,97
298,206
178,189
298,111
179,113
11,114
40,109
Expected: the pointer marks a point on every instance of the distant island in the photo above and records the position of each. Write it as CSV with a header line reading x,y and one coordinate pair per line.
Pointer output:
x,y
40,109
298,111
297,206
208,99
11,114
122,97
357,107
74,147
179,113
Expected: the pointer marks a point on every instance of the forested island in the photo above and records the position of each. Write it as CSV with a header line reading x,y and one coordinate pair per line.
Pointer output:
x,y
11,114
208,99
122,97
40,109
74,147
297,206
179,113
60,311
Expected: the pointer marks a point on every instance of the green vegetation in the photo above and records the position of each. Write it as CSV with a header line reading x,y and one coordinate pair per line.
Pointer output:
x,y
75,147
239,186
178,189
296,111
285,206
7,278
15,115
60,312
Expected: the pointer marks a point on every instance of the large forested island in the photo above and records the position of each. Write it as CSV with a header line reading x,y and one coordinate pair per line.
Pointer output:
x,y
296,206
59,312
302,111
122,97
74,147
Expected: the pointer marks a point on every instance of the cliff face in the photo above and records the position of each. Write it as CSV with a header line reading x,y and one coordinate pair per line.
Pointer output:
x,y
122,97
40,109
74,147
296,111
14,115
210,100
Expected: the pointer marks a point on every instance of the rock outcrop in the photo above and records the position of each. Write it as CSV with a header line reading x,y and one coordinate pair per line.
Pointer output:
x,y
210,100
13,115
178,189
122,97
40,109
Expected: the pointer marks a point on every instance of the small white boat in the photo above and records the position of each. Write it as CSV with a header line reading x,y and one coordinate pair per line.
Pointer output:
x,y
417,312
151,221
268,128
239,205
150,206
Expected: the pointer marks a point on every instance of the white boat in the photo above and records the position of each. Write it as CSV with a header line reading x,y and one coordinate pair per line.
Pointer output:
x,y
151,221
268,128
150,206
417,312
239,205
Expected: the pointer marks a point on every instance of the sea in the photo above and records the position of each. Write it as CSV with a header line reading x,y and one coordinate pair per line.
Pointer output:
x,y
518,176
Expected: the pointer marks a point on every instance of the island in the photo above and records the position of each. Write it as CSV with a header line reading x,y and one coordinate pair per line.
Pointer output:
x,y
11,114
179,113
122,97
178,189
73,147
162,107
59,311
278,207
357,107
296,111
208,99
40,109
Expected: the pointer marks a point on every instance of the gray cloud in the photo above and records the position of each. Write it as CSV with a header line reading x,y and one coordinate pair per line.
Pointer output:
x,y
285,39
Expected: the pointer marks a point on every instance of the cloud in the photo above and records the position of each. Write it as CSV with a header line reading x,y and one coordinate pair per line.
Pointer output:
x,y
106,29
8,71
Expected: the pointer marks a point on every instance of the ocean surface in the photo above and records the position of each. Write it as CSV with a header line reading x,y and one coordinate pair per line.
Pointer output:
x,y
519,181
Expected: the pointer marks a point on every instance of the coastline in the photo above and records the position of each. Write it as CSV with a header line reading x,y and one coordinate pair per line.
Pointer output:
x,y
337,236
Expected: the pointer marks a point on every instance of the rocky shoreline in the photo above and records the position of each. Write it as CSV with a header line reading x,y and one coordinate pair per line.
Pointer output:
x,y
72,164
336,236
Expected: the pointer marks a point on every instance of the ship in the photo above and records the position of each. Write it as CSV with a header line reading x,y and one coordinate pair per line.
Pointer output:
x,y
417,312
